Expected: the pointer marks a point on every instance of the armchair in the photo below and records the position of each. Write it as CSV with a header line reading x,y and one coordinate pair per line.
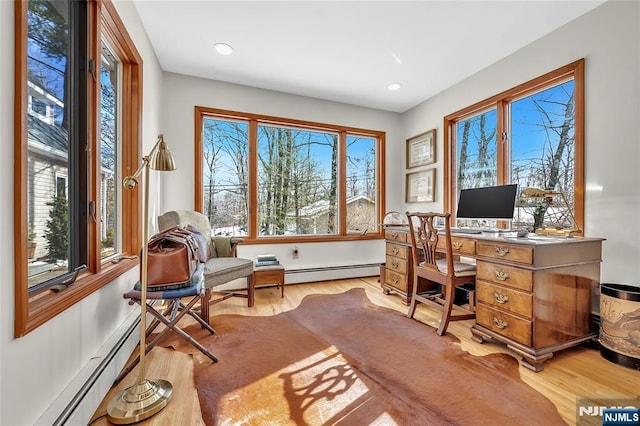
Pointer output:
x,y
222,266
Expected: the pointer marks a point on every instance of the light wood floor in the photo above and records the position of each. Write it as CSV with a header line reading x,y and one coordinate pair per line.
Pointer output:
x,y
570,374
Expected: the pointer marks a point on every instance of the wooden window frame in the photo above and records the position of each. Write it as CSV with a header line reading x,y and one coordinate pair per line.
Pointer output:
x,y
254,120
34,310
573,71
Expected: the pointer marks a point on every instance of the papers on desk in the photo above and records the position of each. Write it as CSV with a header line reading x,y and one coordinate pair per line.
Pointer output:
x,y
466,231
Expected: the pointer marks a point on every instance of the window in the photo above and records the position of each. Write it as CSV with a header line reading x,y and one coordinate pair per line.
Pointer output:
x,y
110,97
306,180
530,135
78,87
61,185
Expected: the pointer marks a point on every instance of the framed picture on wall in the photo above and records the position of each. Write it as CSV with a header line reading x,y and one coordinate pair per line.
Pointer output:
x,y
420,186
421,149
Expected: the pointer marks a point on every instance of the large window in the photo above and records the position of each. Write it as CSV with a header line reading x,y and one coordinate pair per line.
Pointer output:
x,y
304,180
77,127
530,135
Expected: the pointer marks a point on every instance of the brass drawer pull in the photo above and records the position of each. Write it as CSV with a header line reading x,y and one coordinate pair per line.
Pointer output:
x,y
457,244
394,280
394,236
502,251
502,275
501,324
395,263
395,250
500,298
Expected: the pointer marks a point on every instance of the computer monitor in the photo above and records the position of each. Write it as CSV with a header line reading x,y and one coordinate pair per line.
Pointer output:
x,y
491,202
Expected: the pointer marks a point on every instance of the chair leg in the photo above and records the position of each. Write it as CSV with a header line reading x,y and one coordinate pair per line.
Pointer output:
x,y
196,317
412,306
251,288
173,326
472,300
204,306
446,309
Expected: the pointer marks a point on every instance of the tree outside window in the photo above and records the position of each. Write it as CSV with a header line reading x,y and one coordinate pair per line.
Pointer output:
x,y
531,136
308,180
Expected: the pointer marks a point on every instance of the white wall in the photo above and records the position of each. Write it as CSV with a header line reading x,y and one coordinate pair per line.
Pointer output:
x,y
183,93
609,39
36,368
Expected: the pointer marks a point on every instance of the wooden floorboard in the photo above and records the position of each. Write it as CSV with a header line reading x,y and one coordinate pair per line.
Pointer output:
x,y
573,373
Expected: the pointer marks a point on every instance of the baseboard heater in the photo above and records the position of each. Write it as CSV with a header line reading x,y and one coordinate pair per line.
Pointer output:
x,y
331,272
78,403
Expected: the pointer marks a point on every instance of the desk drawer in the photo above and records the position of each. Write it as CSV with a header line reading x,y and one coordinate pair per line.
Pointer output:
x,y
508,252
395,236
395,280
397,250
511,276
459,245
505,324
396,264
505,298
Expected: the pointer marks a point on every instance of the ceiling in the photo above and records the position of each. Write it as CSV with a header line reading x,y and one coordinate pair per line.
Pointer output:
x,y
347,51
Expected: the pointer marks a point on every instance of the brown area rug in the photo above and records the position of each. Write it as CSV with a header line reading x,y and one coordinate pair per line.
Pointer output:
x,y
340,359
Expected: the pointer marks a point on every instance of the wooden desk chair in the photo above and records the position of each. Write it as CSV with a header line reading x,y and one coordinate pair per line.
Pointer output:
x,y
438,266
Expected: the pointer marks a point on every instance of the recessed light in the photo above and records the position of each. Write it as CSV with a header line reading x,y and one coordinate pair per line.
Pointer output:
x,y
223,48
394,86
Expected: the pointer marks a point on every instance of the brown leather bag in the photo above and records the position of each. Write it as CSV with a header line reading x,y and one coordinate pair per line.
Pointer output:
x,y
172,257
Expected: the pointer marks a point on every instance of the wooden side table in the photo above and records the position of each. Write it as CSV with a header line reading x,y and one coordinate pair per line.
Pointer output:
x,y
272,274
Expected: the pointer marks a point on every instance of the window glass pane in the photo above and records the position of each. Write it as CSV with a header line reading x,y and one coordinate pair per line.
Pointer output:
x,y
543,154
48,139
297,181
225,175
109,158
361,185
477,154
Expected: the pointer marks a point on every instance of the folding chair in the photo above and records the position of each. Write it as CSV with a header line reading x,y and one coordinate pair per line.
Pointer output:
x,y
175,310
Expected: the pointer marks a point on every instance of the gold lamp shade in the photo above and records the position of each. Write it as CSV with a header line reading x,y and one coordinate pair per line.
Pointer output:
x,y
162,160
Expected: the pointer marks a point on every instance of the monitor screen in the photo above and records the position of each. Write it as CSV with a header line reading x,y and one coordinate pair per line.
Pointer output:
x,y
491,202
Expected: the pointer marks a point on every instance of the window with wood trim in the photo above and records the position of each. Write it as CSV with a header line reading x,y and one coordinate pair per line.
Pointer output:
x,y
531,135
77,125
275,179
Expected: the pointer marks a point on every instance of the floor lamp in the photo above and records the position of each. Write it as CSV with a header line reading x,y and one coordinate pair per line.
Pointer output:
x,y
146,397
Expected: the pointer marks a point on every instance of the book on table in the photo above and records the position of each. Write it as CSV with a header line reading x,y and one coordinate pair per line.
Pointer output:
x,y
266,258
267,263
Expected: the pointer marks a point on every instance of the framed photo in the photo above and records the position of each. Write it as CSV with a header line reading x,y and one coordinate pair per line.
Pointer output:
x,y
421,186
421,149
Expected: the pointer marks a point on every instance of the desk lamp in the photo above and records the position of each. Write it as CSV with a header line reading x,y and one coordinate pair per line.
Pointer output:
x,y
146,397
548,195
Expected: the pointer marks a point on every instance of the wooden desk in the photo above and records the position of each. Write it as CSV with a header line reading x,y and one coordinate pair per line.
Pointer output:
x,y
535,294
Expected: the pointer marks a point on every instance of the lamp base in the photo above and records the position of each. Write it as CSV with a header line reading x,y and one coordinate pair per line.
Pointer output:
x,y
139,402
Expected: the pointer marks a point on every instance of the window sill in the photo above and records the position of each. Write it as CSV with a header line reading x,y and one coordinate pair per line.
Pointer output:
x,y
47,304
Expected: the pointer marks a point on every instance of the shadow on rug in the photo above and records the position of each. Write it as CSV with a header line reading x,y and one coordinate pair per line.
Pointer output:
x,y
340,359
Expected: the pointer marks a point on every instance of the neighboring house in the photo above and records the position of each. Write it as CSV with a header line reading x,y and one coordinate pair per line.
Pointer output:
x,y
47,163
48,144
361,216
